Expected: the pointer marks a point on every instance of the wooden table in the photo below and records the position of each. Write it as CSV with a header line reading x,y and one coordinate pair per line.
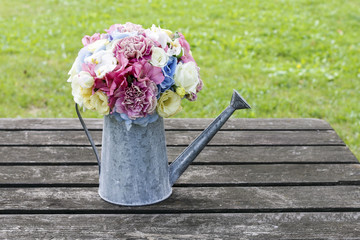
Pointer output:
x,y
257,179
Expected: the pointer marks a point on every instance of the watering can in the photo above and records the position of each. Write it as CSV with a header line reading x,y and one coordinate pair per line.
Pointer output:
x,y
134,169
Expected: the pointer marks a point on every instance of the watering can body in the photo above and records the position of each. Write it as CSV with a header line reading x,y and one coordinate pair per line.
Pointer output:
x,y
134,168
134,164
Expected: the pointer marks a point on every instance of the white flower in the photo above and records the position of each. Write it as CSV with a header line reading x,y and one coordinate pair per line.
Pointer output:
x,y
111,46
99,102
81,95
85,80
187,76
104,60
175,48
169,104
159,57
159,35
81,85
76,91
73,70
98,44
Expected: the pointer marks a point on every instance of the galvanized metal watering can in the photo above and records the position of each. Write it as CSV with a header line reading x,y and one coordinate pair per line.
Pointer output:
x,y
134,168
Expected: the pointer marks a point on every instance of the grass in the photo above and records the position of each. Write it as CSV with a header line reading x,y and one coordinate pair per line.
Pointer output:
x,y
289,59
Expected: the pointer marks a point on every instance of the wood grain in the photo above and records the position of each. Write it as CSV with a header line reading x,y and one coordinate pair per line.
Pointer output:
x,y
183,226
180,123
222,174
257,179
243,138
211,155
185,200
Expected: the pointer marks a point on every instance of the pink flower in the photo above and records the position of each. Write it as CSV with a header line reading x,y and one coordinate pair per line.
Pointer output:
x,y
133,47
122,60
113,83
90,68
191,97
127,27
86,40
137,100
185,45
117,78
143,70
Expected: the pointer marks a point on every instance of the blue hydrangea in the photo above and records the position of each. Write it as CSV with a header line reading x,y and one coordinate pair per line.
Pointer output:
x,y
83,53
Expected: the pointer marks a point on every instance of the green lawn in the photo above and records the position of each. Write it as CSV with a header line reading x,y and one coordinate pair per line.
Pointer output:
x,y
289,59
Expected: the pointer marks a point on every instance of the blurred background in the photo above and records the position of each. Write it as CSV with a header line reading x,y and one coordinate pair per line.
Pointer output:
x,y
289,59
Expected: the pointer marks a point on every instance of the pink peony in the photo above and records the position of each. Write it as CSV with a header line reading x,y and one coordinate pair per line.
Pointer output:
x,y
143,70
113,82
117,78
185,45
127,27
133,47
137,100
122,60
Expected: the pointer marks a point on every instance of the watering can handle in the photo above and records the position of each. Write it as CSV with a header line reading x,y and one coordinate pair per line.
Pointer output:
x,y
88,135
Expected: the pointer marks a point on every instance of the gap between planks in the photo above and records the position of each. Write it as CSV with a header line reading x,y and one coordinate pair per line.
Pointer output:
x,y
193,163
187,185
169,130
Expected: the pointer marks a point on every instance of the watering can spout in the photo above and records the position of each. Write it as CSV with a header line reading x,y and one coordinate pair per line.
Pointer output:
x,y
182,162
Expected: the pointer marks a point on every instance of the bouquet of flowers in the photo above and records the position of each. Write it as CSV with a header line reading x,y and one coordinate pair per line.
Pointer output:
x,y
136,74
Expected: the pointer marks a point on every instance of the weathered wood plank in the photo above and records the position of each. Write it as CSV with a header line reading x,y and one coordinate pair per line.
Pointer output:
x,y
218,154
206,174
245,138
170,123
183,226
194,199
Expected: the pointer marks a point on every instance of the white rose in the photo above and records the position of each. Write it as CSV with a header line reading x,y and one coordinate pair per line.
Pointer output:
x,y
158,34
159,57
104,60
98,44
187,76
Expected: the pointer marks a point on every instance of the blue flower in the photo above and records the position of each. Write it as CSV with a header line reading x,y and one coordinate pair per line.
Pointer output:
x,y
83,53
169,69
139,121
165,85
